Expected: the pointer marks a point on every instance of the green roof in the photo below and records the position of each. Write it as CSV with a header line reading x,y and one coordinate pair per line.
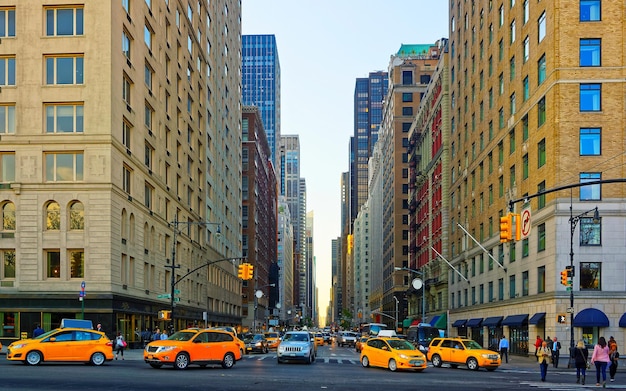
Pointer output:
x,y
414,50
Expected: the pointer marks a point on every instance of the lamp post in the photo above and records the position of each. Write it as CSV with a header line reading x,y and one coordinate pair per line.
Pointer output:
x,y
573,220
257,295
417,285
395,326
174,266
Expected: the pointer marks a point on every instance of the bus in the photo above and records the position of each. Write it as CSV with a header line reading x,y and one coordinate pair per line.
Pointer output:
x,y
421,334
372,329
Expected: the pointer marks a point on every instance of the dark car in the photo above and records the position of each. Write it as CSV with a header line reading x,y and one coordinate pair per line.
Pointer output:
x,y
256,343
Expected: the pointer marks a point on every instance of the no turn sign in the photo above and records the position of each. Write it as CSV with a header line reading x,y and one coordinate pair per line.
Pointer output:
x,y
525,224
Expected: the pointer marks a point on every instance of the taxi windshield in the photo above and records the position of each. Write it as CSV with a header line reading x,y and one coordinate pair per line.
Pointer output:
x,y
400,344
183,335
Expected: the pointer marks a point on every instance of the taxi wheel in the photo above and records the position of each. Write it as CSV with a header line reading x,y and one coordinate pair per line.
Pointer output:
x,y
229,361
365,361
157,366
472,364
182,361
97,359
436,360
265,350
34,358
393,365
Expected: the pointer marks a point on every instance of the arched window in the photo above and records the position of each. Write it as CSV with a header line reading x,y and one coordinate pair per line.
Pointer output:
x,y
131,228
146,237
53,216
77,216
124,226
8,216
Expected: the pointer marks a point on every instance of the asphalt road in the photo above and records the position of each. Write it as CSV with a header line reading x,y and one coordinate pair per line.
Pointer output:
x,y
335,369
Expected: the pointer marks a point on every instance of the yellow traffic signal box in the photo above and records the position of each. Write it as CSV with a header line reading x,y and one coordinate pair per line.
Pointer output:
x,y
506,228
564,277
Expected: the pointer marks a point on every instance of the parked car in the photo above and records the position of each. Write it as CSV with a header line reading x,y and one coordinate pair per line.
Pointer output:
x,y
194,346
392,353
462,351
347,338
296,346
256,343
63,344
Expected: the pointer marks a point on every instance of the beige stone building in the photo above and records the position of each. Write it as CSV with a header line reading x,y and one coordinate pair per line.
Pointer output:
x,y
537,102
120,131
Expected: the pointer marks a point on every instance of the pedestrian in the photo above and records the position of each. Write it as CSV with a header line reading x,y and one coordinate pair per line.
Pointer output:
x,y
99,328
538,343
544,356
120,344
163,335
614,357
556,352
581,355
146,335
600,358
504,348
37,331
156,335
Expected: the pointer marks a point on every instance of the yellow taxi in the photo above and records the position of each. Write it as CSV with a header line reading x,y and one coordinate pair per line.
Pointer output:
x,y
462,351
392,353
360,342
194,346
319,339
63,344
233,331
273,339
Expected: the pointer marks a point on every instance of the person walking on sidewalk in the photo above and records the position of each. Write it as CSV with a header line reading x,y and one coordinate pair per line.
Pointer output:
x,y
581,354
538,343
120,345
614,356
556,352
600,358
544,356
504,348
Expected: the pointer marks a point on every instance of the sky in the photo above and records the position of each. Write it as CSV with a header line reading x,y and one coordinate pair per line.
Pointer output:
x,y
323,47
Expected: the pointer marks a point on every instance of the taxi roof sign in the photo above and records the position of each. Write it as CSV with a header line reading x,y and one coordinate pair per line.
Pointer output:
x,y
77,323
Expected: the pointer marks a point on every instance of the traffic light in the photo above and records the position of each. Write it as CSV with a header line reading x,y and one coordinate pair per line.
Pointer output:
x,y
243,271
560,318
165,315
506,228
564,277
250,274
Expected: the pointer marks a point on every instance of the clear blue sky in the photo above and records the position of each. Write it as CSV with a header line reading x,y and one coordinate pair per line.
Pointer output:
x,y
323,46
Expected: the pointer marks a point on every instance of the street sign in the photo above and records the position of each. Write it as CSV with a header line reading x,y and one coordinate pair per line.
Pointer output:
x,y
177,299
176,292
82,285
164,296
525,225
570,310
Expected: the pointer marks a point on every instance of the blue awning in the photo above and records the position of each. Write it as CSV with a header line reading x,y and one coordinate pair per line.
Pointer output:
x,y
537,318
622,321
459,323
591,317
475,322
515,320
433,320
493,321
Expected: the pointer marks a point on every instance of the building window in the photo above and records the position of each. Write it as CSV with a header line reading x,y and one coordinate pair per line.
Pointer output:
x,y
541,153
590,141
501,84
7,22
590,232
8,263
7,71
7,167
147,36
525,166
147,76
64,118
525,89
64,167
148,193
407,78
525,127
7,118
64,21
526,11
126,133
126,44
8,216
590,10
590,273
126,84
77,216
525,283
512,68
407,97
512,32
501,289
512,252
53,263
541,200
512,286
501,16
77,263
541,70
590,192
541,111
127,179
590,52
512,104
148,113
590,97
541,237
525,247
542,26
541,279
147,157
126,5
53,216
64,70
526,54
407,111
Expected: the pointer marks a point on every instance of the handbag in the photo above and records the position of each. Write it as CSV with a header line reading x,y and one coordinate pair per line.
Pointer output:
x,y
124,343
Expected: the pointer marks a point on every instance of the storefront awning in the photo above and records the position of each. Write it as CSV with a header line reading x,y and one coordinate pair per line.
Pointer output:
x,y
442,322
591,317
493,321
433,320
537,318
622,321
474,322
406,322
459,323
515,320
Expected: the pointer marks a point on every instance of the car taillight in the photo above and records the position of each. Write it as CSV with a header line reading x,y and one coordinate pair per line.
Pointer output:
x,y
109,343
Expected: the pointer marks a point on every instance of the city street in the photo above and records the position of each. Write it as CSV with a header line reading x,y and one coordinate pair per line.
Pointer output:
x,y
335,369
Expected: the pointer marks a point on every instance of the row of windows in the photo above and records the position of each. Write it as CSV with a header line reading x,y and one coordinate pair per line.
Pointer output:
x,y
59,21
52,216
59,167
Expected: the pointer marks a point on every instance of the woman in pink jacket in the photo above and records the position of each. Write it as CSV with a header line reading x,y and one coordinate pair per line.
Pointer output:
x,y
600,358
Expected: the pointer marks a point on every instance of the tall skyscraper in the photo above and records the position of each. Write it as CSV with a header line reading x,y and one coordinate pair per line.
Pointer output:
x,y
107,157
261,83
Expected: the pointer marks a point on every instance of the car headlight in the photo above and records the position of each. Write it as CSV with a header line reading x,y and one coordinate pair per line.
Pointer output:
x,y
403,356
18,346
162,349
281,348
258,344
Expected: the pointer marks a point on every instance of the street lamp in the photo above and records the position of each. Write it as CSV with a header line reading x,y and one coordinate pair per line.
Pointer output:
x,y
174,266
417,284
573,220
395,326
257,295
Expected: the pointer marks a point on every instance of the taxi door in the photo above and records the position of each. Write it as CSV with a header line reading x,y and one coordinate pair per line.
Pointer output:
x,y
60,347
200,349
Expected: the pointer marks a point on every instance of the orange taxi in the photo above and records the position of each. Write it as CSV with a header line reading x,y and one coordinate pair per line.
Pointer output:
x,y
194,346
392,353
63,344
273,339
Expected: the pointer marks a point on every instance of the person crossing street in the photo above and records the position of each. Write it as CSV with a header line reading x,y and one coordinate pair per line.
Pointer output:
x,y
504,348
556,352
